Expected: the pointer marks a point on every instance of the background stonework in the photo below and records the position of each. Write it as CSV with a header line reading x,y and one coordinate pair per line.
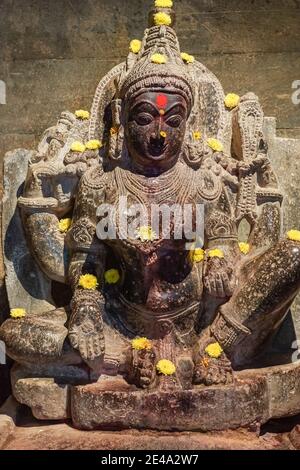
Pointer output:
x,y
54,52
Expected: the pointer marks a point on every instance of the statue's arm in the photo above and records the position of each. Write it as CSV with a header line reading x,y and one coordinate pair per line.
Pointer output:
x,y
221,245
88,257
48,196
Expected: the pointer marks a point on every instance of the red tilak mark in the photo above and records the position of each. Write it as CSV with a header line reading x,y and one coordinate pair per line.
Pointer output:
x,y
161,101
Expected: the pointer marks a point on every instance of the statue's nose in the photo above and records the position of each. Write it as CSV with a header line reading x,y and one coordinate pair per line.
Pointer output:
x,y
157,133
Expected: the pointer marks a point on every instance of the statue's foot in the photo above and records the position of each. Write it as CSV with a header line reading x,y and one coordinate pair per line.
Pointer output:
x,y
86,333
212,366
213,372
143,372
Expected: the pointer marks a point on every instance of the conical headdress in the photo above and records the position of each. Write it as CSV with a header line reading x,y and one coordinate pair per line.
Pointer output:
x,y
157,63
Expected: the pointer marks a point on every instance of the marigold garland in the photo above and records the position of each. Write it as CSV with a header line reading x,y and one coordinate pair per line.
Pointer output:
x,y
294,235
18,313
93,144
158,59
216,253
141,343
244,248
165,367
197,135
214,350
135,46
188,58
82,114
64,225
146,234
161,19
88,282
197,255
163,3
231,100
78,147
215,145
112,276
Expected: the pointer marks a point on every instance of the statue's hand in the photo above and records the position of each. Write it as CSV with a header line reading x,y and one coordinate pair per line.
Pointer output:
x,y
86,327
219,278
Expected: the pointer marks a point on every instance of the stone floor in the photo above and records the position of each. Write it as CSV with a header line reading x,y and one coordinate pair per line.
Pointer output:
x,y
30,434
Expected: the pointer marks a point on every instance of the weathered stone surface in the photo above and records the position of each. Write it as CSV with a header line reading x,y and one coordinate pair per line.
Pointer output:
x,y
284,155
283,384
68,47
188,408
7,427
295,437
105,407
26,286
64,437
47,396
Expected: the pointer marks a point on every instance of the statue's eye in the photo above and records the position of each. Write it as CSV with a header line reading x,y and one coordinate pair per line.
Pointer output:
x,y
174,121
144,119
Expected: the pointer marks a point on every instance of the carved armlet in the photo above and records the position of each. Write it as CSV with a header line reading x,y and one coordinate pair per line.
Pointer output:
x,y
228,331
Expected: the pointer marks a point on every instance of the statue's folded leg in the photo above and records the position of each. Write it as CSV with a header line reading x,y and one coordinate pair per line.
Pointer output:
x,y
39,339
260,303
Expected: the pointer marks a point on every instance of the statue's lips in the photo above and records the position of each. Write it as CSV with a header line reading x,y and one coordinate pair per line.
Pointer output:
x,y
157,147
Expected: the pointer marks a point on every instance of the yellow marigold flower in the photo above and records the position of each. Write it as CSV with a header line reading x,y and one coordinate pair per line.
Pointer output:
x,y
93,144
158,59
162,19
214,350
141,343
18,313
197,255
146,234
215,144
165,367
88,282
215,253
113,131
77,147
163,3
294,235
197,135
64,225
135,46
231,100
189,59
112,276
244,248
163,134
82,114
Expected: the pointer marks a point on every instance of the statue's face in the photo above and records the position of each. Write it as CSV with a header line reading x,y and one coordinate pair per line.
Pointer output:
x,y
155,129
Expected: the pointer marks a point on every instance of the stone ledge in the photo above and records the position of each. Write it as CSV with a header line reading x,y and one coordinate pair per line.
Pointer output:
x,y
203,409
34,436
7,427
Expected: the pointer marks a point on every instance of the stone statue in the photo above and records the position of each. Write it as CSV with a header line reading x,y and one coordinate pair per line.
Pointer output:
x,y
156,324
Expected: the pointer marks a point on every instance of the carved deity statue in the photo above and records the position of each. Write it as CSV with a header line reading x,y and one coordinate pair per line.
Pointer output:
x,y
151,311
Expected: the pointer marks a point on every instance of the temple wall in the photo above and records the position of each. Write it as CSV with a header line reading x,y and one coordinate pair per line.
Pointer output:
x,y
53,53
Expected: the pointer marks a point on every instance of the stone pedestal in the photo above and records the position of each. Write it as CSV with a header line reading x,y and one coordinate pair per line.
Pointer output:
x,y
205,409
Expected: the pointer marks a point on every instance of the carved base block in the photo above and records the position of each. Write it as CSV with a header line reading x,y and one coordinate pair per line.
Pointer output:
x,y
46,390
204,409
257,396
